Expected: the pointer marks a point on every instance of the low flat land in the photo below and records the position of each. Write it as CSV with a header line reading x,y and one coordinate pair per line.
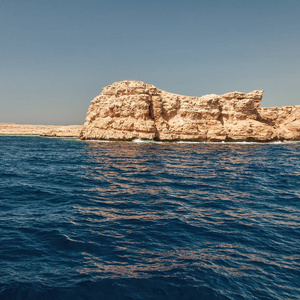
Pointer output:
x,y
43,130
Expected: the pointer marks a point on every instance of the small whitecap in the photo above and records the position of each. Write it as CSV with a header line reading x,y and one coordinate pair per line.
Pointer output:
x,y
139,141
98,141
189,142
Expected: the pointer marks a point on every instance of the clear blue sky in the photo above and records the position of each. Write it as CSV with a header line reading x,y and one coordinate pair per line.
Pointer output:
x,y
56,55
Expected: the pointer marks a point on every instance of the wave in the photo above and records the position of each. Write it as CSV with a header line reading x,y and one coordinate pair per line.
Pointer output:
x,y
157,288
131,221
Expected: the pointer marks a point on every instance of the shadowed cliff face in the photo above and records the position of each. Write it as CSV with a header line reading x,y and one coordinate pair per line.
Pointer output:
x,y
128,110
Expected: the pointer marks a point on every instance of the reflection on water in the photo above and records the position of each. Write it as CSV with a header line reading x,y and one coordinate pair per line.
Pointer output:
x,y
193,210
209,221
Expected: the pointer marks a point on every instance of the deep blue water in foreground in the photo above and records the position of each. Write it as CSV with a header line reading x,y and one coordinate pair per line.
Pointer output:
x,y
90,220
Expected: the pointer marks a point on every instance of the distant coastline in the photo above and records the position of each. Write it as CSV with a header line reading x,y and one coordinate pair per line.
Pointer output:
x,y
42,130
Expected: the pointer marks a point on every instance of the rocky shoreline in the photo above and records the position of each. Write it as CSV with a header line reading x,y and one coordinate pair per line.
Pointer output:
x,y
129,110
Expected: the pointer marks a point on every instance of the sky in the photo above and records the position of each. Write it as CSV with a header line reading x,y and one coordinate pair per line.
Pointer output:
x,y
57,55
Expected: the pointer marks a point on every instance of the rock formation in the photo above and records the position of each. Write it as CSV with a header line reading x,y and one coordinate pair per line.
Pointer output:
x,y
63,131
128,110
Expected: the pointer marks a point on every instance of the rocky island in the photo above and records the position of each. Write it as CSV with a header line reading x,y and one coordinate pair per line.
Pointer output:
x,y
128,110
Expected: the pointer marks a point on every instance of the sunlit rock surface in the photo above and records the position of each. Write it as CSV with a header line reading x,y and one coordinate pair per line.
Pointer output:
x,y
128,110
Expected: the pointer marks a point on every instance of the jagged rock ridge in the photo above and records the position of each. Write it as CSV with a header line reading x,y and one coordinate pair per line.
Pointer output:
x,y
127,110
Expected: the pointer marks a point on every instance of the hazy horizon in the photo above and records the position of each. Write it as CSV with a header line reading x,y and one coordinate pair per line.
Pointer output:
x,y
56,56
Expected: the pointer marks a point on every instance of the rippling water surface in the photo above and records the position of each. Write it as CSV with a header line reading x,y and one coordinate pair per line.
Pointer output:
x,y
91,220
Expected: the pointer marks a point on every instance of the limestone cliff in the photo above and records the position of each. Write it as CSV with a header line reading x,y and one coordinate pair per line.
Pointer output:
x,y
128,110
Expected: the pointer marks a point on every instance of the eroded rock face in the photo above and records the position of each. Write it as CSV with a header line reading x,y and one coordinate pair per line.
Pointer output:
x,y
128,110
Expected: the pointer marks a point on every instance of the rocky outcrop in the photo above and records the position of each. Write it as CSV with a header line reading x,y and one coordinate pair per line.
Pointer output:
x,y
43,130
127,110
63,131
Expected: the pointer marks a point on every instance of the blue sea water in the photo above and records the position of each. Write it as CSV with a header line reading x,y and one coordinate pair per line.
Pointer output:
x,y
120,220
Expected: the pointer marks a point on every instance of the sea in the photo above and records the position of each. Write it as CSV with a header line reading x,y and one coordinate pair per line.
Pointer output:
x,y
148,220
